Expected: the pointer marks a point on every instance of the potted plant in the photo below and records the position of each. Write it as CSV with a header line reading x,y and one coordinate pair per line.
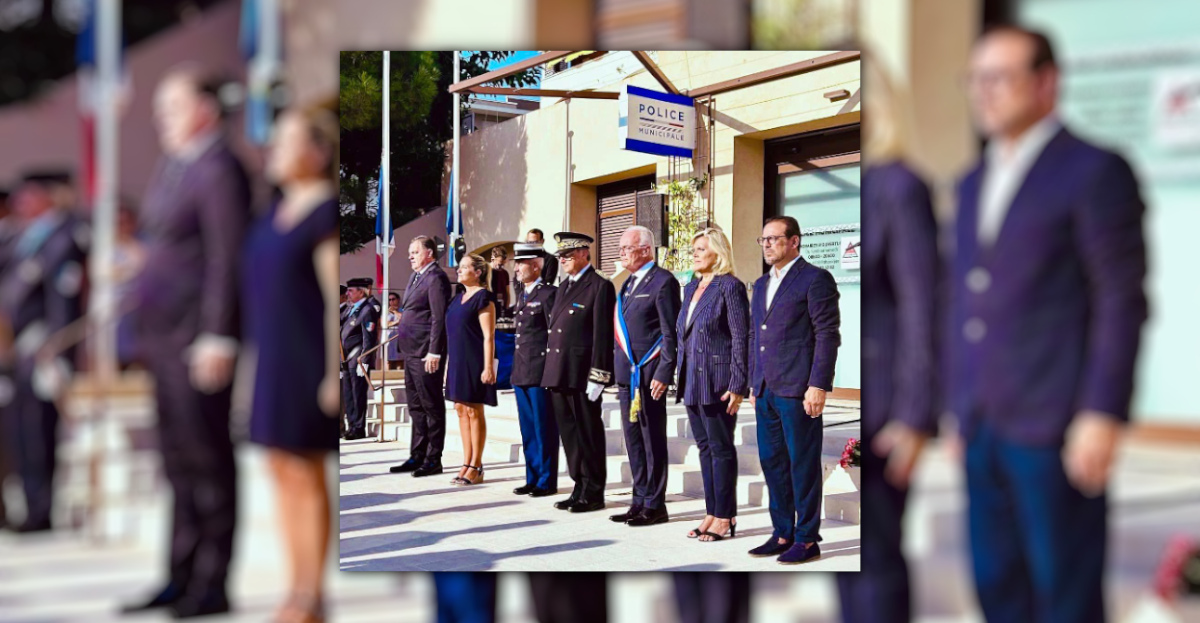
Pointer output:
x,y
852,461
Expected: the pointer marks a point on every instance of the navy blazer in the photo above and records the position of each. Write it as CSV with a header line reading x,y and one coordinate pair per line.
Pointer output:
x,y
793,345
650,312
712,347
194,218
422,327
1050,321
899,291
531,316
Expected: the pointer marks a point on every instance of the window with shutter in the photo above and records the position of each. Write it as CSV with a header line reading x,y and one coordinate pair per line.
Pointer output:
x,y
616,208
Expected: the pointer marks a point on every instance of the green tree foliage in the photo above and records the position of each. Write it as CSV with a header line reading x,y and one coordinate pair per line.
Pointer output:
x,y
421,124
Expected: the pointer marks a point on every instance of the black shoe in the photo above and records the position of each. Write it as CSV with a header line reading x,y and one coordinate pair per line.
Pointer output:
x,y
165,597
410,465
189,607
565,505
633,511
541,493
650,517
584,506
428,469
771,548
524,489
356,435
30,527
800,553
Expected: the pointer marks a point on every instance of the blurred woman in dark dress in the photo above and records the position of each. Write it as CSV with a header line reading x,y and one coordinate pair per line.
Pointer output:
x,y
471,371
290,290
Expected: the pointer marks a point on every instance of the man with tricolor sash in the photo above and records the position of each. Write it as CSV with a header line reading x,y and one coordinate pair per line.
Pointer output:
x,y
644,358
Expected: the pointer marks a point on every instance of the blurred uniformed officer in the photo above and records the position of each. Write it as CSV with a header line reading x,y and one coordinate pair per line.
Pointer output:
x,y
360,333
39,295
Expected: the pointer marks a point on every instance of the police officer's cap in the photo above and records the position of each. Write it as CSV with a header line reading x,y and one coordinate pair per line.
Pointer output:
x,y
569,241
362,282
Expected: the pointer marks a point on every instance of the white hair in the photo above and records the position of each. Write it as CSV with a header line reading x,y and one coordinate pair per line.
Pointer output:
x,y
645,236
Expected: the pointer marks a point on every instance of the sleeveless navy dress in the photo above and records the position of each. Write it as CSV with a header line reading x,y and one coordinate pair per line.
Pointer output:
x,y
465,350
284,316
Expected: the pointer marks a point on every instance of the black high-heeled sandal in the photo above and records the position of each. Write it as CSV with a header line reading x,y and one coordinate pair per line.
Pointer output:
x,y
479,469
459,480
719,537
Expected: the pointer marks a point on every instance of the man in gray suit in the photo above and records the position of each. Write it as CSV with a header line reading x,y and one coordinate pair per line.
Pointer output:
x,y
195,213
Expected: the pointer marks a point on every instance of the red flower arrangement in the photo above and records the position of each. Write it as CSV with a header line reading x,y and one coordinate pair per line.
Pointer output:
x,y
1172,577
851,454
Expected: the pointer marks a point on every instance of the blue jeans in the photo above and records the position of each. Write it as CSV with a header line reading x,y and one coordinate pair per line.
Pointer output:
x,y
789,448
1037,543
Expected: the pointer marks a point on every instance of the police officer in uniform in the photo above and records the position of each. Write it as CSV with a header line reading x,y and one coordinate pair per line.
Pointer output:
x,y
579,364
360,333
539,432
39,295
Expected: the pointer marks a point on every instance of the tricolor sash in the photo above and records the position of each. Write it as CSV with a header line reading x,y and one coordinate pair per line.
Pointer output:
x,y
622,336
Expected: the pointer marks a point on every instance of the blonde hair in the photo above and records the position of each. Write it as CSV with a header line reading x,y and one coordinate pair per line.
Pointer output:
x,y
719,244
324,133
887,123
481,266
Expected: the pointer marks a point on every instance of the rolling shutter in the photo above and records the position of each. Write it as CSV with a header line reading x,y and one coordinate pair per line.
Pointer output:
x,y
617,205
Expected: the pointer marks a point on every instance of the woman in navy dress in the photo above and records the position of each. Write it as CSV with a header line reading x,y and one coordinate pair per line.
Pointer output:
x,y
471,371
289,290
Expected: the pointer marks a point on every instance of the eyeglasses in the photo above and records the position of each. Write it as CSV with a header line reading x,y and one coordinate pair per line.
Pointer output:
x,y
769,240
631,249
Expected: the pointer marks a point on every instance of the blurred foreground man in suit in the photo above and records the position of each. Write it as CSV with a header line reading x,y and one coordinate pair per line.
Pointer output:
x,y
195,214
40,293
360,333
794,338
1046,311
579,363
422,344
644,358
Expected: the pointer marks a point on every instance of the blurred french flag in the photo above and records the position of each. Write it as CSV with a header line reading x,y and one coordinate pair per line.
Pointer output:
x,y
259,42
86,55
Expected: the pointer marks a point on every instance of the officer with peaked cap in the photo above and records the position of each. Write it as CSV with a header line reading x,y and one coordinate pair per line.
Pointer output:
x,y
360,334
531,313
579,364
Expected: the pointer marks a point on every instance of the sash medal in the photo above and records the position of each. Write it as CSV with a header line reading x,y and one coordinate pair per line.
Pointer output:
x,y
622,335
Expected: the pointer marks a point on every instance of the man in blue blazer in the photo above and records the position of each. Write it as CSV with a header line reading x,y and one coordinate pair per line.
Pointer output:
x,y
794,340
422,343
644,361
1046,309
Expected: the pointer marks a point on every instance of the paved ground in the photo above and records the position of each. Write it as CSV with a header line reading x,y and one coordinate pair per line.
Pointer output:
x,y
63,577
394,522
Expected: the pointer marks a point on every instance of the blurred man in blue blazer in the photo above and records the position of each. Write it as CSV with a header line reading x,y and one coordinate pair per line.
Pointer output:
x,y
644,362
794,339
1046,310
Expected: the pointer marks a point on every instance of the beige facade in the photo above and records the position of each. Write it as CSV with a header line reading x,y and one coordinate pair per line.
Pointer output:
x,y
542,169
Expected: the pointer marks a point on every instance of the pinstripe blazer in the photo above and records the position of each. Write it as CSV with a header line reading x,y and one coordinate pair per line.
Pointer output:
x,y
712,347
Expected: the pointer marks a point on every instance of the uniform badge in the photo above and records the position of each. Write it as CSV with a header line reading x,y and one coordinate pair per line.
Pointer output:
x,y
370,326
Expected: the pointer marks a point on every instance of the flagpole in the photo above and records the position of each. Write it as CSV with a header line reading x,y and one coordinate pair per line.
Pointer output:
x,y
455,175
108,44
386,206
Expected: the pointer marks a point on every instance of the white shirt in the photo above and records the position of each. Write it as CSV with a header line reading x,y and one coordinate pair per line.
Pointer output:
x,y
1007,165
529,287
691,309
776,279
637,276
576,276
